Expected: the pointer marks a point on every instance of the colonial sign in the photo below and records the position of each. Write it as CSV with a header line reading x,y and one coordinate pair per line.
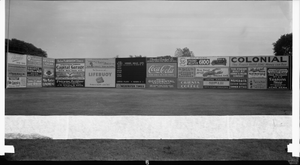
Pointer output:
x,y
274,61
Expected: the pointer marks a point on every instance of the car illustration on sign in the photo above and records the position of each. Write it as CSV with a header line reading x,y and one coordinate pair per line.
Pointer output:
x,y
212,72
219,61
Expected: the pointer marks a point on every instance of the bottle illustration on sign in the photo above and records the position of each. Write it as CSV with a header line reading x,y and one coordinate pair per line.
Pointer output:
x,y
100,80
219,61
213,72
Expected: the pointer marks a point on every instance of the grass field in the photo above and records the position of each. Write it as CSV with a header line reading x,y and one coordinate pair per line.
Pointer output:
x,y
112,101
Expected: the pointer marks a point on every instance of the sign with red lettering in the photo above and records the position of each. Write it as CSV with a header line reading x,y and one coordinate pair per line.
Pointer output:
x,y
161,70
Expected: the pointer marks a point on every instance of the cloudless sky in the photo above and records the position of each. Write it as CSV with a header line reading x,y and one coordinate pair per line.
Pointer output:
x,y
104,29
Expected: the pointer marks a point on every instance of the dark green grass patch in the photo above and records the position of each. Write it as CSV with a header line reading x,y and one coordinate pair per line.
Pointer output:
x,y
188,150
112,101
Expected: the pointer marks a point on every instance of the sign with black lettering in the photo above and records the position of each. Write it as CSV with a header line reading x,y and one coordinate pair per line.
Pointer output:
x,y
278,78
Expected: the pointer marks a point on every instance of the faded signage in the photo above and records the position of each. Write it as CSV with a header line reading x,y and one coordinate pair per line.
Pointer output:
x,y
238,72
257,72
72,75
48,72
76,60
282,61
100,77
48,62
211,72
161,70
216,83
34,71
239,83
257,83
16,70
78,67
130,85
16,82
162,60
203,61
186,72
278,78
100,63
70,69
34,61
34,82
194,83
16,59
48,82
69,83
161,83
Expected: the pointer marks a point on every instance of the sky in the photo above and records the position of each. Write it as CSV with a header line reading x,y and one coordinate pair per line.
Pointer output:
x,y
105,29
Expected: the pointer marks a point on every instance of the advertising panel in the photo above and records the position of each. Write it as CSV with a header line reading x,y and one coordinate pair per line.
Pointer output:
x,y
193,83
257,83
48,62
257,72
16,59
16,70
239,83
274,61
69,69
186,72
216,83
130,85
34,71
34,82
130,71
69,83
161,82
48,72
239,72
211,72
161,69
278,78
16,82
34,61
72,75
100,77
48,82
203,61
162,60
109,63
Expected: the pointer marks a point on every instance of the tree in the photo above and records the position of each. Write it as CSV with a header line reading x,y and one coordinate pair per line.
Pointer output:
x,y
21,47
284,45
185,52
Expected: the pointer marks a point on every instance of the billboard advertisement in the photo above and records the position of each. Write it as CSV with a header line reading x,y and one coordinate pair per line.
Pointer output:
x,y
268,61
16,70
203,61
16,82
257,83
239,83
100,77
278,78
238,72
257,72
216,83
130,71
34,71
109,63
48,72
191,83
211,72
72,75
69,83
188,72
48,63
16,59
162,60
34,82
161,82
161,70
70,67
48,82
34,61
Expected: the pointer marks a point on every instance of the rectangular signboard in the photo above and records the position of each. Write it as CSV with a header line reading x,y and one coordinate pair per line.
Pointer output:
x,y
130,70
16,59
186,72
34,82
203,61
161,82
48,62
257,72
193,83
48,82
34,71
238,72
161,70
216,83
162,60
257,83
16,82
67,67
34,61
16,70
100,77
130,85
211,72
70,69
278,78
69,83
48,72
71,60
73,75
239,83
109,63
274,61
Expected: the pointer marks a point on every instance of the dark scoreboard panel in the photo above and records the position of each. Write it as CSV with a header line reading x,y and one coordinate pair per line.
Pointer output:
x,y
130,70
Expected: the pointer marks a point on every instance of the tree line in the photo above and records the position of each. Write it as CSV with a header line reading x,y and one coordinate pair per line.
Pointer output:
x,y
22,47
